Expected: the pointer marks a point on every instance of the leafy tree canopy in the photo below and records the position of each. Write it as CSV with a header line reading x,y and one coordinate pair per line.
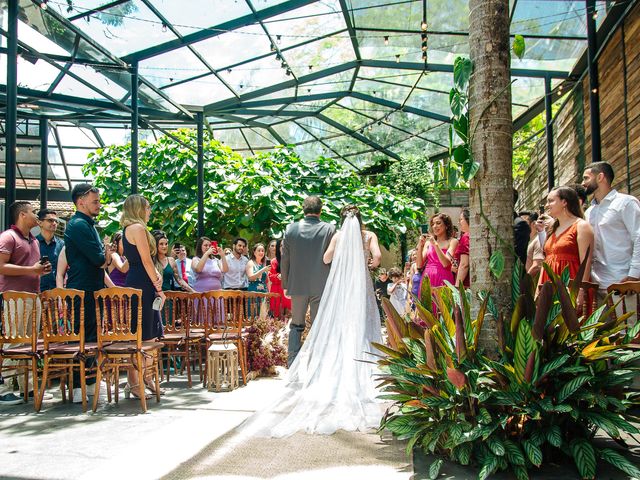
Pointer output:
x,y
253,197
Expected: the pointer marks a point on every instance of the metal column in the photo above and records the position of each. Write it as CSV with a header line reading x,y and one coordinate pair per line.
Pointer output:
x,y
134,127
594,87
44,160
12,109
548,131
200,121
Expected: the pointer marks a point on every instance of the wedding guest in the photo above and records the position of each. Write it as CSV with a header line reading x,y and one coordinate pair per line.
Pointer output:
x,y
271,250
139,248
257,269
521,232
235,278
571,237
208,270
437,247
397,291
535,251
50,245
119,263
183,262
380,288
20,270
87,257
461,255
280,305
167,266
615,219
415,275
582,194
63,268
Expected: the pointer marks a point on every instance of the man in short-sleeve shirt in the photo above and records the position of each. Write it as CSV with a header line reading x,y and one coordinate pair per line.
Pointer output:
x,y
20,269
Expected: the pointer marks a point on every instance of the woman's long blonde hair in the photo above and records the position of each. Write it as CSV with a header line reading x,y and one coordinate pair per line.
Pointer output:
x,y
133,211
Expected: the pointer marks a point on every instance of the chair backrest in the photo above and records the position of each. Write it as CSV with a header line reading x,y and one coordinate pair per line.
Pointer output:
x,y
224,311
179,308
255,306
626,290
60,308
118,309
19,315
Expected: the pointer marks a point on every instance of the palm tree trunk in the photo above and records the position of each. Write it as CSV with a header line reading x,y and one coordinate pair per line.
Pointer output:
x,y
491,191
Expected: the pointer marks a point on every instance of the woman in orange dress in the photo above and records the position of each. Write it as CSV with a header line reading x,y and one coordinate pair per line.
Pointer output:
x,y
571,237
280,305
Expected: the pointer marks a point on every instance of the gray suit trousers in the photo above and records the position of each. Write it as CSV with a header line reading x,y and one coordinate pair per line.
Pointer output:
x,y
299,304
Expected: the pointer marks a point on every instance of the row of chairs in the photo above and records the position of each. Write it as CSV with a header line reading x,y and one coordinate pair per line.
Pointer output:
x,y
45,334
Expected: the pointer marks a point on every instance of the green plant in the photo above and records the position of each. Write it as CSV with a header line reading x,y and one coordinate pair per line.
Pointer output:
x,y
561,377
254,197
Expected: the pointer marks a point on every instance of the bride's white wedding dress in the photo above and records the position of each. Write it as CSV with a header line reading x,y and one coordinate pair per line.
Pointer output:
x,y
331,384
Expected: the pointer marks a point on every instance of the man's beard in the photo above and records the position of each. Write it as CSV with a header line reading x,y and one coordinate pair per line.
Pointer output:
x,y
590,188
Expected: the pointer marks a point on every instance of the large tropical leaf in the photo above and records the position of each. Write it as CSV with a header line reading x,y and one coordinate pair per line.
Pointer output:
x,y
571,386
620,462
584,457
525,345
545,300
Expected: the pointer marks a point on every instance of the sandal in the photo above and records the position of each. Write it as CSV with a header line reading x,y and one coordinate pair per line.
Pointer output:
x,y
132,390
152,388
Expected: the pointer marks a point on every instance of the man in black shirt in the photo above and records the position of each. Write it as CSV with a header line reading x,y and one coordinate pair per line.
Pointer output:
x,y
381,284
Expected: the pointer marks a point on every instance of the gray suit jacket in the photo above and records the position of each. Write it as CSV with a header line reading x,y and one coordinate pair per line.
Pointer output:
x,y
302,269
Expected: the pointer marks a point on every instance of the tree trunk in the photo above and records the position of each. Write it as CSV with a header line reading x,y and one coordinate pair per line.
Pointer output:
x,y
491,191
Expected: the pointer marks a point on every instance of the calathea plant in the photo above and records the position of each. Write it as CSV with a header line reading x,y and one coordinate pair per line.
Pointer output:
x,y
560,378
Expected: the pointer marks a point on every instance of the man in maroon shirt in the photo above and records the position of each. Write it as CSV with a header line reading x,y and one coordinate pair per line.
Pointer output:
x,y
20,269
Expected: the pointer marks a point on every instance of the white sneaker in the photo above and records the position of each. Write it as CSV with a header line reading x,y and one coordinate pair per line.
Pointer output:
x,y
91,389
77,395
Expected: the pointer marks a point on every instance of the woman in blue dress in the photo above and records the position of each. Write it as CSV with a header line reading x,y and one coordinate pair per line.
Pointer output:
x,y
257,270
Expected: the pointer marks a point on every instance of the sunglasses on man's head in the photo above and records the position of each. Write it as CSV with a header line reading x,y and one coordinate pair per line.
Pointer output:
x,y
89,190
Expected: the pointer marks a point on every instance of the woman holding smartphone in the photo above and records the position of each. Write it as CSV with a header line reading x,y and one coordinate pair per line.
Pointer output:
x,y
435,251
206,268
139,247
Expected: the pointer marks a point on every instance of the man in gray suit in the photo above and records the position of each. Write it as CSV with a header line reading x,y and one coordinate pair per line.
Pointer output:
x,y
303,271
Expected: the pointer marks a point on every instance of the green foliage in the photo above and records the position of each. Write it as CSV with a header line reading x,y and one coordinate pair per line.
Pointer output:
x,y
414,177
461,167
254,197
552,388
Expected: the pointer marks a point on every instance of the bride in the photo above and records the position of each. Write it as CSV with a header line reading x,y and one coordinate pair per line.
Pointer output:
x,y
331,383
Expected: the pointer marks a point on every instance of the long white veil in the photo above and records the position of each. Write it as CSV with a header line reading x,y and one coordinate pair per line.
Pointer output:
x,y
331,383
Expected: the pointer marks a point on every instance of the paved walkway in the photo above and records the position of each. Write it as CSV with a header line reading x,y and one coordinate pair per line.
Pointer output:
x,y
189,435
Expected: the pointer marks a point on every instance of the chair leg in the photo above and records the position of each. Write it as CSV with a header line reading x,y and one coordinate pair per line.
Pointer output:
x,y
187,360
141,385
243,364
83,385
36,396
26,384
156,374
45,375
116,384
98,379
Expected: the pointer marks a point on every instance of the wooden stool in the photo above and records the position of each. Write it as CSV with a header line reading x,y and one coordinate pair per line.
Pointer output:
x,y
222,367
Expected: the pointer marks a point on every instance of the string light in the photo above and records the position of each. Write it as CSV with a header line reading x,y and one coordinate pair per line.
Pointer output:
x,y
398,58
164,27
273,47
595,15
423,25
279,38
594,90
288,72
310,68
386,39
31,149
43,4
228,70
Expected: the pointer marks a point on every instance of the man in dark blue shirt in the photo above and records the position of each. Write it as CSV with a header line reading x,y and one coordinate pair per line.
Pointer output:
x,y
87,257
50,245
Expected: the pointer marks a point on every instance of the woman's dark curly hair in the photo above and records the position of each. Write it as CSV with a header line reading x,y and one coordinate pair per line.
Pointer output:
x,y
446,219
350,209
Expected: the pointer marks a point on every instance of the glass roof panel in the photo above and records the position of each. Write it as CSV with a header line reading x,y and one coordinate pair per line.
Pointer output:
x,y
259,138
445,48
311,151
172,66
255,75
292,133
430,101
446,16
305,23
37,76
337,82
199,92
394,93
114,136
231,138
234,47
552,18
125,28
321,54
77,7
374,46
363,107
189,16
35,39
77,137
372,14
526,90
348,118
318,128
98,80
70,86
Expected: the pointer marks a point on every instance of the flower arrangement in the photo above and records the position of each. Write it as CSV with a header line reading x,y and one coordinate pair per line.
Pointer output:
x,y
267,345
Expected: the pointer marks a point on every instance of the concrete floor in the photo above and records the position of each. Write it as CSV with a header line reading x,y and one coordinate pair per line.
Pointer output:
x,y
189,435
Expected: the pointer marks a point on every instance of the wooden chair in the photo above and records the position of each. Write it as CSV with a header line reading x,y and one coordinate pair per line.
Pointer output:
x,y
627,291
224,322
118,345
19,338
178,310
64,349
197,327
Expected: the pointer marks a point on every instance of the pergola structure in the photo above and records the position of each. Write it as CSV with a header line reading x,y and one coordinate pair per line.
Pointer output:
x,y
366,81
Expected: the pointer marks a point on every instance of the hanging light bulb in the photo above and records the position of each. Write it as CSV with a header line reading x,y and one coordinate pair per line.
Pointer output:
x,y
278,58
164,27
288,72
279,38
424,46
241,85
423,25
171,79
31,149
397,58
310,68
424,56
228,70
595,15
386,39
308,90
283,64
273,47
17,149
43,4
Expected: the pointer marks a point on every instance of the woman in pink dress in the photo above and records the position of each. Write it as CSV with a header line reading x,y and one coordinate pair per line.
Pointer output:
x,y
435,251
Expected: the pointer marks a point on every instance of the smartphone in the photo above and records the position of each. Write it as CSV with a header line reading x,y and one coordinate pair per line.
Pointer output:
x,y
44,259
214,245
268,262
424,228
157,303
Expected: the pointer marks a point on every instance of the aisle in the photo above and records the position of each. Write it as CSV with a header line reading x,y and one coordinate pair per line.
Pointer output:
x,y
189,435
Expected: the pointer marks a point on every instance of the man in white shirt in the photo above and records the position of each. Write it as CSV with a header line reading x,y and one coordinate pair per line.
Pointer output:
x,y
183,262
236,277
615,218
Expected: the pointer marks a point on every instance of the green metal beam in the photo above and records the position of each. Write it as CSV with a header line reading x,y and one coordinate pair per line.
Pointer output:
x,y
357,136
217,30
352,32
397,106
289,100
326,145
